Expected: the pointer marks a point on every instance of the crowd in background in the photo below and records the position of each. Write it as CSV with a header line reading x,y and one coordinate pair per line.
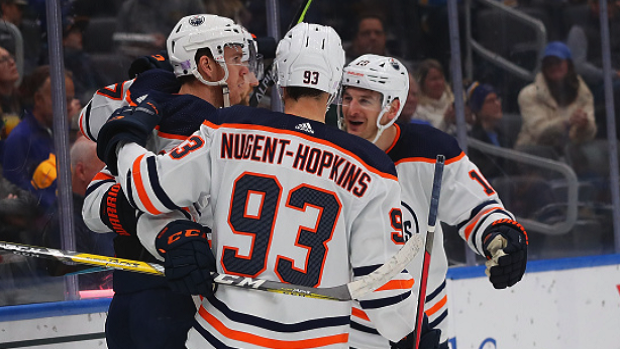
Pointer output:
x,y
560,114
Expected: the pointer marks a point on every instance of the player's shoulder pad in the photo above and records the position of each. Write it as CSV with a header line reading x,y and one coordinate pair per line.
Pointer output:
x,y
181,114
353,145
424,141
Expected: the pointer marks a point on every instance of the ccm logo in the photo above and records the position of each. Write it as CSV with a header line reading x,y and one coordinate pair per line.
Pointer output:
x,y
238,280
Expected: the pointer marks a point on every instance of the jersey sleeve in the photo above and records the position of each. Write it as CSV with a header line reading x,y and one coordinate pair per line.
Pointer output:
x,y
389,307
157,184
109,98
469,202
104,102
92,200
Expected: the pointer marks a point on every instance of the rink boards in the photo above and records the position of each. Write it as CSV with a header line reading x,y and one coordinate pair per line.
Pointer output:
x,y
560,304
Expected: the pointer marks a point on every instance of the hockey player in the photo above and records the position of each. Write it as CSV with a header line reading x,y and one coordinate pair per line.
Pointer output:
x,y
145,312
374,91
292,199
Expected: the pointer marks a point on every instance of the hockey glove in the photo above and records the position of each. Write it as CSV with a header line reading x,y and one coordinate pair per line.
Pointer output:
x,y
505,246
117,213
144,63
188,258
127,124
428,340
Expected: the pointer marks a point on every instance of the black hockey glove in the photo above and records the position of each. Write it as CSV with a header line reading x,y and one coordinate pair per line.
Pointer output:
x,y
428,340
144,63
505,246
117,213
188,258
127,124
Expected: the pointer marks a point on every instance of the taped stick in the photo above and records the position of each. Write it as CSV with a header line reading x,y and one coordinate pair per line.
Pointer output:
x,y
428,246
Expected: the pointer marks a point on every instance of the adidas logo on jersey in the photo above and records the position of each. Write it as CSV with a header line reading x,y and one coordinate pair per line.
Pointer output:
x,y
305,127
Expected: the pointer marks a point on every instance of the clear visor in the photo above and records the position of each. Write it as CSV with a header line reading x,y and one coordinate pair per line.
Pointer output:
x,y
253,61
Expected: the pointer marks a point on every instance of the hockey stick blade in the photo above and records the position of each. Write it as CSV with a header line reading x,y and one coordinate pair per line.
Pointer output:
x,y
344,292
270,73
428,246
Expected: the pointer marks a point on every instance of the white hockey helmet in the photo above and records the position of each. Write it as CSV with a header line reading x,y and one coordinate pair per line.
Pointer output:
x,y
194,32
310,55
385,75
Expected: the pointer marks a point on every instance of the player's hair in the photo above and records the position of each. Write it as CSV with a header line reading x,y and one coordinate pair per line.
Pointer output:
x,y
297,92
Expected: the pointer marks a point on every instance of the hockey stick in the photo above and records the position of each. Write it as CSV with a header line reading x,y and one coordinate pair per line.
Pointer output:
x,y
270,73
346,292
428,246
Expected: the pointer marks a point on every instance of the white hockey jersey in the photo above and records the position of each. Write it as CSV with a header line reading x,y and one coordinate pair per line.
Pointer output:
x,y
467,201
171,132
293,201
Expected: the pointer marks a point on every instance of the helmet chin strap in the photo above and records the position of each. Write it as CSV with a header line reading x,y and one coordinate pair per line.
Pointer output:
x,y
381,128
222,83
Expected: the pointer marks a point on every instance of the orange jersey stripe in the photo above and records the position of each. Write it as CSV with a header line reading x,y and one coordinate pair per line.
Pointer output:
x,y
429,160
80,122
396,138
102,176
360,314
267,342
397,285
170,135
470,226
129,100
432,310
312,139
148,205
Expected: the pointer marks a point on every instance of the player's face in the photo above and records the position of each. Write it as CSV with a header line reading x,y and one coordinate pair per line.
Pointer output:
x,y
360,108
240,81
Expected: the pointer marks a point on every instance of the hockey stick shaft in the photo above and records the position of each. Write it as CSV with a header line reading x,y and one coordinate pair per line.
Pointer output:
x,y
428,246
270,73
344,292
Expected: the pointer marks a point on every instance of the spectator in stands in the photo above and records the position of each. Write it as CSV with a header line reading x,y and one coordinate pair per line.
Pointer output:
x,y
20,275
142,26
84,166
18,210
584,42
369,38
234,9
10,108
410,109
31,164
557,107
12,13
86,76
486,105
436,104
